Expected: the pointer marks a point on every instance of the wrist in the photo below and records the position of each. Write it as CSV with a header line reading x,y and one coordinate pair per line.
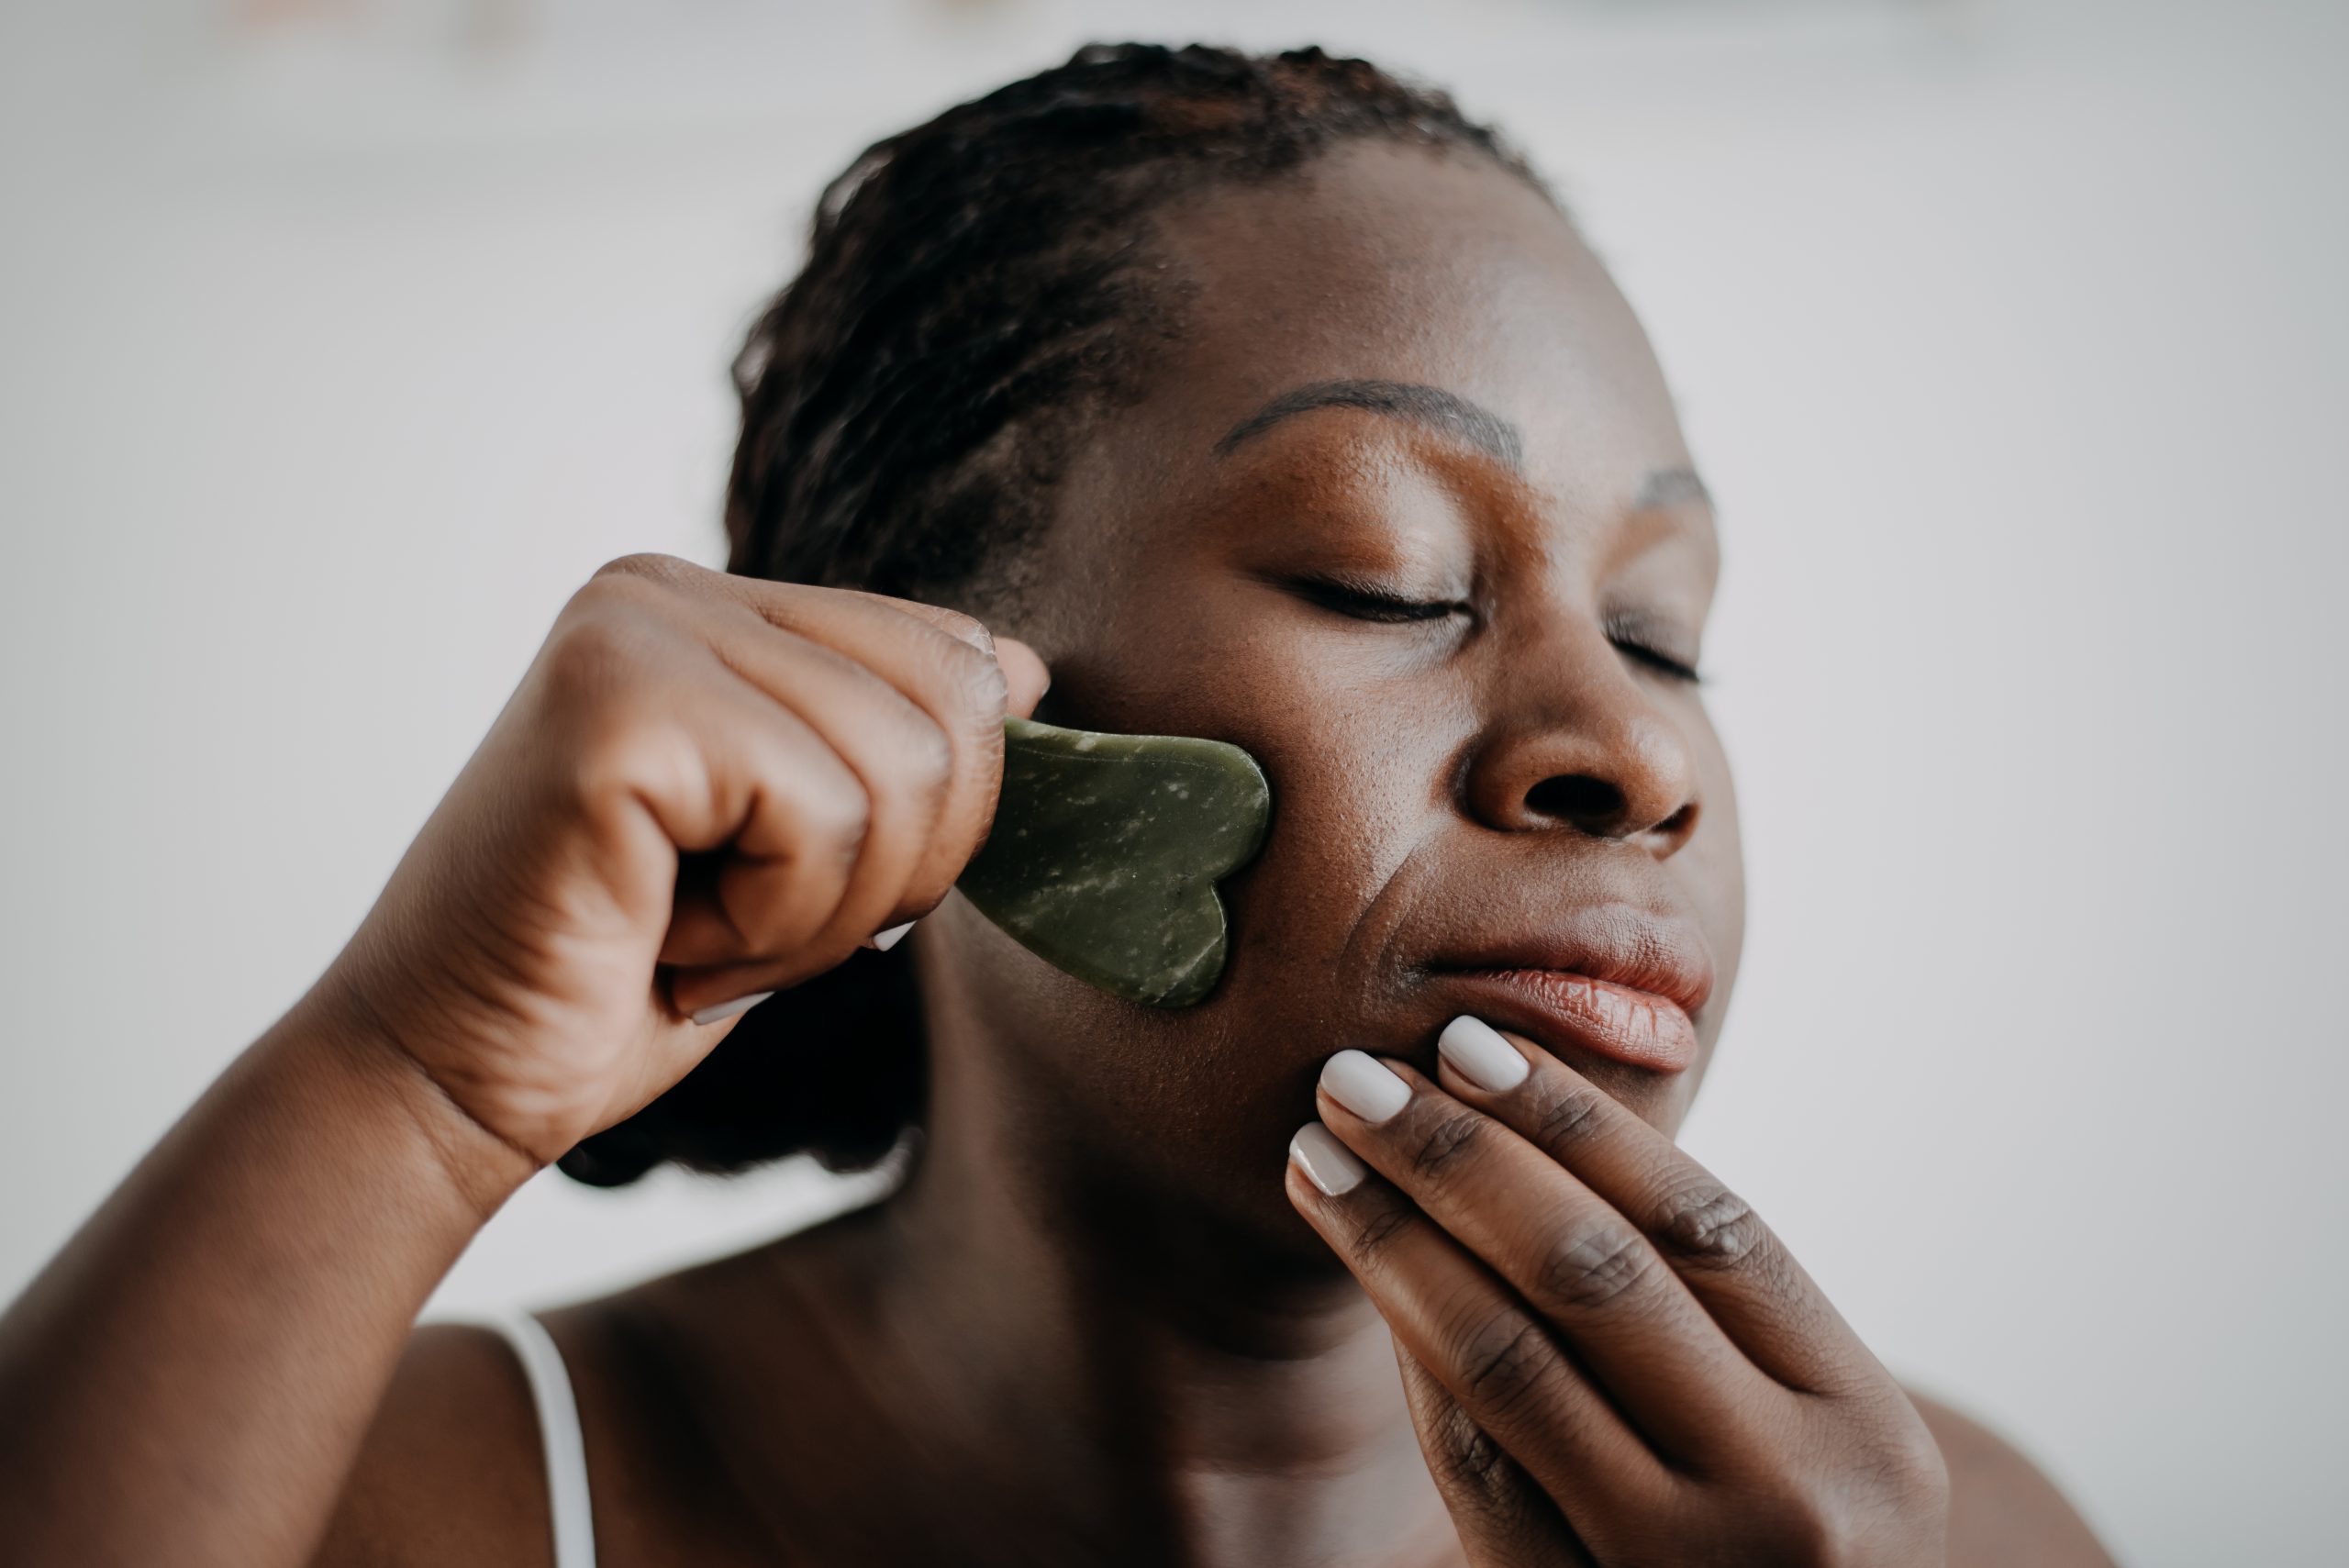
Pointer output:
x,y
359,1069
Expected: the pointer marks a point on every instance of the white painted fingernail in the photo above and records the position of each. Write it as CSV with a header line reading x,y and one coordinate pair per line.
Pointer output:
x,y
883,940
725,1010
1478,1053
1326,1163
1363,1085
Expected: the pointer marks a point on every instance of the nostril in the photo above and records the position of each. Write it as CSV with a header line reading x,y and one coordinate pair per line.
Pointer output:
x,y
1591,804
1679,825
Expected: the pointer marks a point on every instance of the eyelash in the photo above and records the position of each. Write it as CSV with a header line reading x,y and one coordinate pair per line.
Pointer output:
x,y
1368,604
1625,635
1662,663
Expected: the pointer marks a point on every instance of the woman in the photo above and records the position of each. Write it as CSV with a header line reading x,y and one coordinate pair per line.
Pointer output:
x,y
1262,400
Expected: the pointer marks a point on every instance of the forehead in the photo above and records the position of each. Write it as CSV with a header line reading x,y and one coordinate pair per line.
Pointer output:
x,y
1399,264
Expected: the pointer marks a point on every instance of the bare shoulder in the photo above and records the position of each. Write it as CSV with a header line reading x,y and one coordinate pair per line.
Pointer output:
x,y
450,1471
2002,1511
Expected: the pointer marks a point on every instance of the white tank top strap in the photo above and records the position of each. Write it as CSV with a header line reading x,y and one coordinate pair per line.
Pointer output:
x,y
566,1452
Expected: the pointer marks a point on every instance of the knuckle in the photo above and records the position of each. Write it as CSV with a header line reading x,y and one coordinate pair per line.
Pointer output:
x,y
593,691
1828,1528
1879,1510
1803,1525
1472,1458
967,629
643,566
1911,1470
607,615
1707,1224
835,820
977,678
1378,1234
1503,1362
920,755
1594,1265
586,659
929,758
623,749
1447,1143
604,642
1566,1115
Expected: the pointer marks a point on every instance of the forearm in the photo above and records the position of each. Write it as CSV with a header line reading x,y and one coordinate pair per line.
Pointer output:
x,y
188,1380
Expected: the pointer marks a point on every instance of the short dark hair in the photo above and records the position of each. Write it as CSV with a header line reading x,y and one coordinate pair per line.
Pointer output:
x,y
975,291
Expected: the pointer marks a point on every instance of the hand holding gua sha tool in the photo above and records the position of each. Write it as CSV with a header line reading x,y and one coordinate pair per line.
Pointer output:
x,y
1105,850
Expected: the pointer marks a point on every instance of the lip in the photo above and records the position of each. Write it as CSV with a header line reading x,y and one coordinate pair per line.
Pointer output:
x,y
1622,988
1562,1009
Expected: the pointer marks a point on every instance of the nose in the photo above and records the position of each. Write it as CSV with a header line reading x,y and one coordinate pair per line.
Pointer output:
x,y
1584,747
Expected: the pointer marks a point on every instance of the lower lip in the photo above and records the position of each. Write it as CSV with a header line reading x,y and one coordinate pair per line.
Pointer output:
x,y
1637,1027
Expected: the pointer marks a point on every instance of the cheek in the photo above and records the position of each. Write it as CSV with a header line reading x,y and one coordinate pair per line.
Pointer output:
x,y
1716,869
1356,771
1352,791
1712,875
1355,735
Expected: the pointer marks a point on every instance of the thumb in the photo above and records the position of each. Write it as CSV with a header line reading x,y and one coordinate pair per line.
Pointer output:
x,y
1024,675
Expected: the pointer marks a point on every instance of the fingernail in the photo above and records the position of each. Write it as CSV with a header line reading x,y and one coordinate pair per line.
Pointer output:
x,y
1326,1163
1363,1085
725,1010
883,940
1479,1054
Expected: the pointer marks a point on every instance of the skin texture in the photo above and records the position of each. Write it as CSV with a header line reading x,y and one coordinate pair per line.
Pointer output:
x,y
1097,1324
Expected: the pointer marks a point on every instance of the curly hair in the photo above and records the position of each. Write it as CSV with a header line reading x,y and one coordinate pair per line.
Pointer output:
x,y
977,290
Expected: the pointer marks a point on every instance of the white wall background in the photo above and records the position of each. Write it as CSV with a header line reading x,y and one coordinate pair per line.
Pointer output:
x,y
338,342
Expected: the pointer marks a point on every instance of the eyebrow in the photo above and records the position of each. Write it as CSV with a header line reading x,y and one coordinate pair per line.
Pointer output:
x,y
1429,405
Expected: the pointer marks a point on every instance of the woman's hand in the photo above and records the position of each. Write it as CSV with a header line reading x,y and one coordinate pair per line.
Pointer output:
x,y
1610,1359
707,788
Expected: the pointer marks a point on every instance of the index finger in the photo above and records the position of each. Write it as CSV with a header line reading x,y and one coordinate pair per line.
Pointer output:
x,y
1024,675
1729,1258
947,663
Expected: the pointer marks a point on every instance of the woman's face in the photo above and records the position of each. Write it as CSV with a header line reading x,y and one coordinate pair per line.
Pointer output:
x,y
1407,513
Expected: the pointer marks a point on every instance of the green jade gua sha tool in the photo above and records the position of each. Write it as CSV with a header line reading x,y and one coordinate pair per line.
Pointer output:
x,y
1106,851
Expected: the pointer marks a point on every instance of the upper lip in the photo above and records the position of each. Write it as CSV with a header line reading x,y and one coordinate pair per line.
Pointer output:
x,y
1616,943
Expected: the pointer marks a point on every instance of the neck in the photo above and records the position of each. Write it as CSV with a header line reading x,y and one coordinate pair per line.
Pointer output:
x,y
1142,1385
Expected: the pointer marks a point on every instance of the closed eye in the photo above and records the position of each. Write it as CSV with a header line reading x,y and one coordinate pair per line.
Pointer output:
x,y
1363,602
1639,642
1662,663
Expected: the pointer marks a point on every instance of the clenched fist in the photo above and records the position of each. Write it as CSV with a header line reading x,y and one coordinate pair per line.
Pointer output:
x,y
707,788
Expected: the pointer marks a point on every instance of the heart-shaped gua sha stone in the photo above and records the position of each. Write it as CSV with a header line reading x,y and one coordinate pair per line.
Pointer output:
x,y
1105,850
